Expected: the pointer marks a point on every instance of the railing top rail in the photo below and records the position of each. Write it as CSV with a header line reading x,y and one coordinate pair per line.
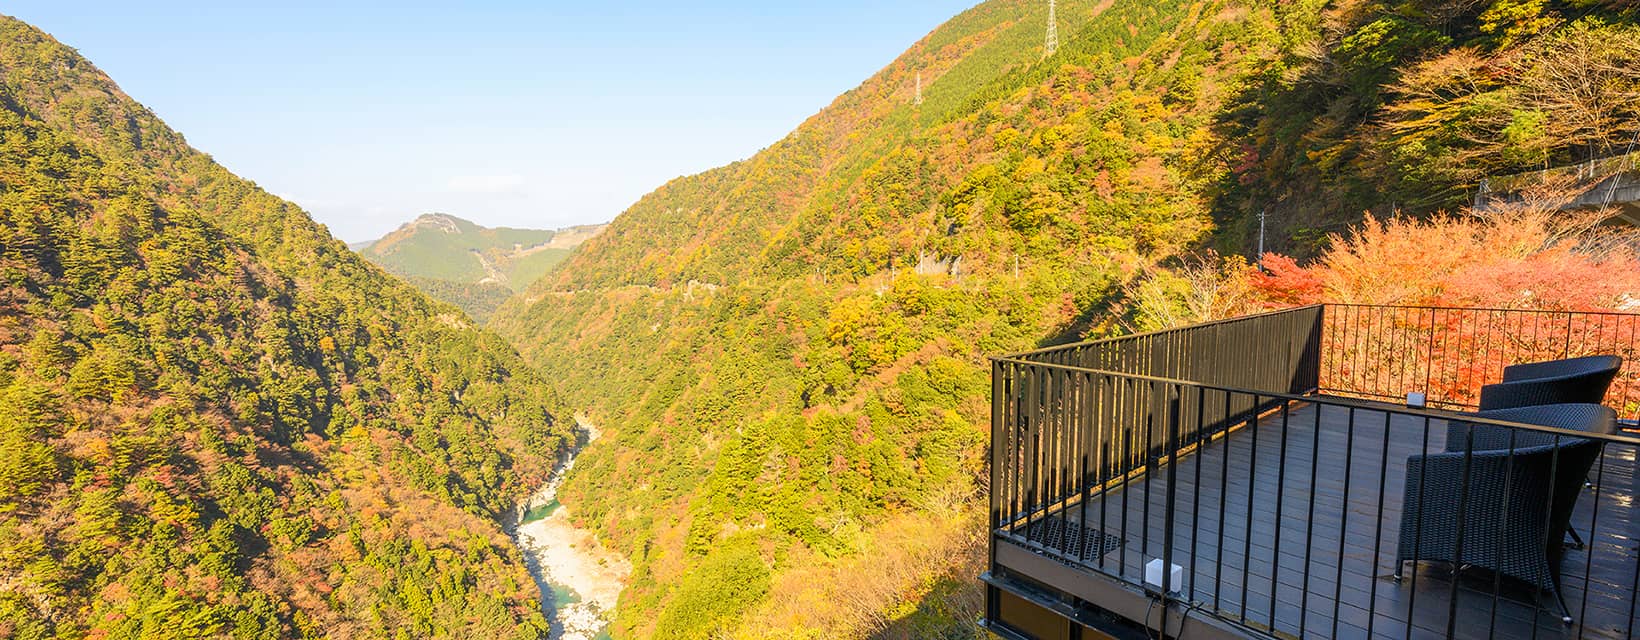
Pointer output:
x,y
1432,414
1265,314
1363,305
1161,332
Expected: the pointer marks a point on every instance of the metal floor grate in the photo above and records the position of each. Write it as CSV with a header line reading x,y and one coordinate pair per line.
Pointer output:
x,y
1071,538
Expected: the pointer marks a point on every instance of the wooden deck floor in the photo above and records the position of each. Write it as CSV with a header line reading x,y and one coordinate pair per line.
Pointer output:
x,y
1263,528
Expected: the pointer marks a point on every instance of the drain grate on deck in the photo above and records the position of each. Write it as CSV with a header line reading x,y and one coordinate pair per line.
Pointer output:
x,y
1071,538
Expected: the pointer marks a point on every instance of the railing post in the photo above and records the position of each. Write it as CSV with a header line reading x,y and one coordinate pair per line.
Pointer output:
x,y
999,435
1172,495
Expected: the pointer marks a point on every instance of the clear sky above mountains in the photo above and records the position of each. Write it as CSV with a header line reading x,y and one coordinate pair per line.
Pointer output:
x,y
532,114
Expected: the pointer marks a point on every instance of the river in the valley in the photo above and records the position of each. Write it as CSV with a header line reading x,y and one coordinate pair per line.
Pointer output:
x,y
579,578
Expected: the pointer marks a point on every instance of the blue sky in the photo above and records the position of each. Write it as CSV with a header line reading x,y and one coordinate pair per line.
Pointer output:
x,y
534,114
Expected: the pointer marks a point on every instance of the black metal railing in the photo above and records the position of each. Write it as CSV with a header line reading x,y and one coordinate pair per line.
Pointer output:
x,y
1287,512
1384,352
1278,351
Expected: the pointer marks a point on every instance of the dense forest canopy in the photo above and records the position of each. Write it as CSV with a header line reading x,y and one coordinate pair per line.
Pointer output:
x,y
219,422
789,349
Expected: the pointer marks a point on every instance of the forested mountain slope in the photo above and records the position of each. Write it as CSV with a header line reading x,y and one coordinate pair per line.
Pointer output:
x,y
218,421
1408,107
789,350
470,266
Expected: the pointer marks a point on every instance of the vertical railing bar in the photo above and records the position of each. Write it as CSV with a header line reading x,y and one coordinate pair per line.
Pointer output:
x,y
1172,495
1537,323
1394,361
1196,492
1019,400
998,429
1152,464
1363,369
1049,457
1069,457
1396,346
1486,353
1014,444
1407,347
1590,545
1107,459
1019,449
1418,528
1086,425
1346,349
1378,533
1355,352
1458,381
1550,536
1429,359
1503,523
1127,465
1343,515
1448,349
1463,521
1378,371
1634,594
1281,495
1309,519
1033,485
1224,491
1476,347
1567,349
1628,381
1252,485
1056,405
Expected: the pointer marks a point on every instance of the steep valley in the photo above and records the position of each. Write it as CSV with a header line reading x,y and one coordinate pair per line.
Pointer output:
x,y
788,352
219,421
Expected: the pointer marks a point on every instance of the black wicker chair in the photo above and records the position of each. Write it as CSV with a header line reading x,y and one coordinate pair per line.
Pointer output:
x,y
1522,487
1575,380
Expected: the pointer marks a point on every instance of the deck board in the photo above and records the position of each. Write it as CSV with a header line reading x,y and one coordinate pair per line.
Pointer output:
x,y
1349,544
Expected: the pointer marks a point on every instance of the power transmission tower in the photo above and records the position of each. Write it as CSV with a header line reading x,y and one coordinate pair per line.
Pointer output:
x,y
919,89
1052,44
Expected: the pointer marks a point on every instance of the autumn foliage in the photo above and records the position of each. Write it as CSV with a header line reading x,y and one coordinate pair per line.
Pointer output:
x,y
1528,258
1453,299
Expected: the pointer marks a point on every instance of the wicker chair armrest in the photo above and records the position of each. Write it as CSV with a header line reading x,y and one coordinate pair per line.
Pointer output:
x,y
1560,368
1582,388
1590,418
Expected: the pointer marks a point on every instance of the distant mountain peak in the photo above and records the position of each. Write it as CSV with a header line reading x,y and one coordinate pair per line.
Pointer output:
x,y
470,265
439,221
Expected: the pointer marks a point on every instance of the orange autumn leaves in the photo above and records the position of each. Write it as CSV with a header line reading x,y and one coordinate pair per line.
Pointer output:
x,y
1526,258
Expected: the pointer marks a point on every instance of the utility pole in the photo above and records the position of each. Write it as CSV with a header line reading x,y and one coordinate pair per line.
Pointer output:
x,y
1052,45
1261,237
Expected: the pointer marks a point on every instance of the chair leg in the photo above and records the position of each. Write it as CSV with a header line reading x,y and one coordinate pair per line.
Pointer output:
x,y
1565,612
1577,540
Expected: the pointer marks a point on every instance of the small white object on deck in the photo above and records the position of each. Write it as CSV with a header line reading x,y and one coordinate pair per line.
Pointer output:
x,y
1153,575
1417,399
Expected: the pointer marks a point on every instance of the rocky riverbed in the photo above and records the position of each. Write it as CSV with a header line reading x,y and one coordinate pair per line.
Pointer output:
x,y
579,578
